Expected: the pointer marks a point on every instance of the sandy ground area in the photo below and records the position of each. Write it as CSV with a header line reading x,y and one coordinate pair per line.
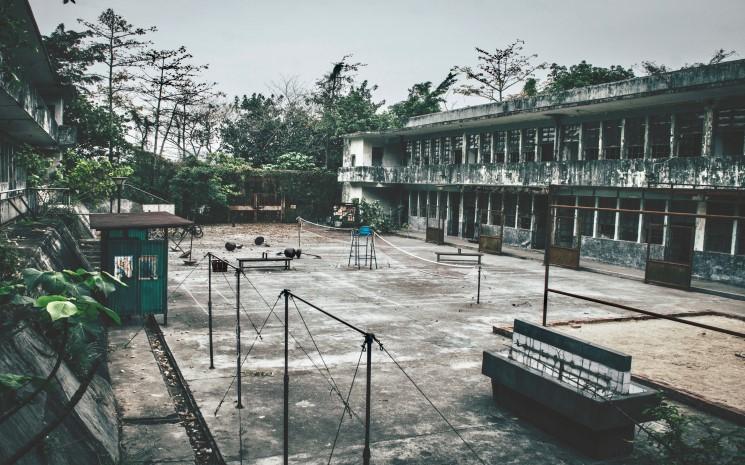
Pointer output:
x,y
704,362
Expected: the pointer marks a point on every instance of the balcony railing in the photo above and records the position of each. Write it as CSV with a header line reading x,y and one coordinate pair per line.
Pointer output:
x,y
31,101
716,171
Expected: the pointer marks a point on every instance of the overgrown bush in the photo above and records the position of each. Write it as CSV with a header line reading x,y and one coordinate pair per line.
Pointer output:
x,y
372,214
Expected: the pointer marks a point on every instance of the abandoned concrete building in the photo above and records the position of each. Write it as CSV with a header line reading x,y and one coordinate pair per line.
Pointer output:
x,y
31,111
673,142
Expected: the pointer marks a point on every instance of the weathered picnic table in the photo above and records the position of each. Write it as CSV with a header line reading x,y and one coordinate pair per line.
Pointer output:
x,y
265,261
470,256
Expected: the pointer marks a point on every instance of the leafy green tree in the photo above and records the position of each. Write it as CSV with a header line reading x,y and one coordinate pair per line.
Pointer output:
x,y
561,78
293,161
256,134
498,71
422,99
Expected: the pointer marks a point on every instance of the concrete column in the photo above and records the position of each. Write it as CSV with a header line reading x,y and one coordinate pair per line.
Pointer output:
x,y
673,136
478,148
464,158
698,242
491,147
506,146
461,215
647,139
733,249
532,216
601,133
576,233
437,207
617,225
448,211
708,138
410,204
489,209
665,223
622,148
520,147
640,225
537,149
595,218
557,141
517,210
581,143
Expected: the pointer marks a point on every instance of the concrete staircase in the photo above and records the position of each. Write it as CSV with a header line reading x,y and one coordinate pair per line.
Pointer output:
x,y
91,248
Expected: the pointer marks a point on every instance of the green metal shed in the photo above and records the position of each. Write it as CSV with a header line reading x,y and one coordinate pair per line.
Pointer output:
x,y
134,248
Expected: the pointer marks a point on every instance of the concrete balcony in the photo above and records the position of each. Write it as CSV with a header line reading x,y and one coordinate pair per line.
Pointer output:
x,y
24,114
717,171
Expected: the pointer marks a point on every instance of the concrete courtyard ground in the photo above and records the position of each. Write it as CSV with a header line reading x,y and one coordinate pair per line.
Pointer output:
x,y
425,315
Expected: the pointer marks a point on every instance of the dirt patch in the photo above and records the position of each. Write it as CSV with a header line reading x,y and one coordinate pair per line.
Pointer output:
x,y
706,363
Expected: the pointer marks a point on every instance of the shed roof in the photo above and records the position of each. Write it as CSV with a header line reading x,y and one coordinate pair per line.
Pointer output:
x,y
103,221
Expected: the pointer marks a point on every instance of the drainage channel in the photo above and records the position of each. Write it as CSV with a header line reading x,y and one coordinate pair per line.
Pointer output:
x,y
205,448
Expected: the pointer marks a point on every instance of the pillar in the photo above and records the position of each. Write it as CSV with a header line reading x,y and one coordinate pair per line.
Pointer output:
x,y
622,149
647,140
601,133
557,141
617,225
491,147
673,135
537,149
640,226
738,211
706,146
448,212
665,223
698,242
478,148
464,156
581,142
517,210
520,147
532,217
489,209
595,218
576,233
461,215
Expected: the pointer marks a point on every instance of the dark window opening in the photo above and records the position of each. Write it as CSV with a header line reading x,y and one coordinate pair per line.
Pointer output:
x,y
590,141
485,139
510,210
629,222
436,152
414,204
718,235
612,139
731,130
653,223
458,150
447,151
570,142
513,148
634,135
607,219
586,217
472,148
659,136
529,144
547,137
524,211
496,208
690,129
377,156
425,151
564,232
500,141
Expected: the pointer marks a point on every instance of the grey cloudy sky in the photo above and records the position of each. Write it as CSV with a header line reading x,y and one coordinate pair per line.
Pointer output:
x,y
249,43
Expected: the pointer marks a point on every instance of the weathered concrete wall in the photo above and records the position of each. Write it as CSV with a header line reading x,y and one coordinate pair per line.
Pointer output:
x,y
88,435
720,267
719,171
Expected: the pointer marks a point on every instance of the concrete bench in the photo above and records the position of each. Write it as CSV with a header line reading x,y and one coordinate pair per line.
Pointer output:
x,y
576,390
469,256
265,261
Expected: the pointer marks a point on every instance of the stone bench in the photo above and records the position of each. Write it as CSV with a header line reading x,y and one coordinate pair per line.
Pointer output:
x,y
576,390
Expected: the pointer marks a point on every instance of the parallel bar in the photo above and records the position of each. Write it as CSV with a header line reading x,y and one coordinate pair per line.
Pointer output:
x,y
647,312
349,325
238,334
209,307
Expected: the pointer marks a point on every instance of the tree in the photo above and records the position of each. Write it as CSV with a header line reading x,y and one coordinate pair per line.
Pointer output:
x,y
71,58
255,134
293,161
118,42
651,68
583,74
422,99
498,71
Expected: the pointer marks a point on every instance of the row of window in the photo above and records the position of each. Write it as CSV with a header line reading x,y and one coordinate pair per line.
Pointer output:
x,y
660,136
516,210
7,164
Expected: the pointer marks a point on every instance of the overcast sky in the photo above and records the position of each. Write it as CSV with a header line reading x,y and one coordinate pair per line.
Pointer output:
x,y
249,44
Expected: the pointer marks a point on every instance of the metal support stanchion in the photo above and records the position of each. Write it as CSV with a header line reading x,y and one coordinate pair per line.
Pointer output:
x,y
238,333
547,253
368,346
478,286
209,306
286,419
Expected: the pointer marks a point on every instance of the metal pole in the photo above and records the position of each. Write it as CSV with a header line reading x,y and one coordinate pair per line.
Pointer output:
x,y
547,254
366,452
238,333
478,287
209,306
299,229
118,198
286,420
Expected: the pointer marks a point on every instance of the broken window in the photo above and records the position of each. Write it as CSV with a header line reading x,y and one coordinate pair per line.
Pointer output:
x,y
483,213
564,232
353,160
513,149
653,223
425,151
659,136
731,130
546,141
409,153
447,151
590,141
500,142
472,148
634,135
570,142
510,209
628,228
377,156
529,144
436,152
417,152
496,208
148,267
606,219
485,147
612,139
525,210
718,236
413,204
458,150
432,204
690,129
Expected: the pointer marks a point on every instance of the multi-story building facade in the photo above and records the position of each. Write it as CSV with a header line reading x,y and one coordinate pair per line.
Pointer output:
x,y
31,109
673,142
